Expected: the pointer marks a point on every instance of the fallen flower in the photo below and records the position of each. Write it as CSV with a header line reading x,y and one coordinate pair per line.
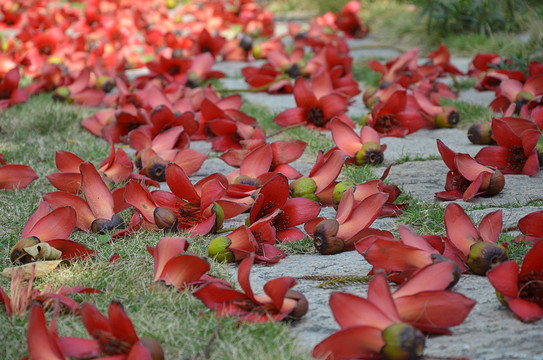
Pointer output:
x,y
51,227
95,213
476,247
531,227
466,177
521,291
23,294
174,266
516,151
351,223
363,149
280,301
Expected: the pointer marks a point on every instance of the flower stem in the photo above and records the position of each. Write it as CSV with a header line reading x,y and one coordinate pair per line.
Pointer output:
x,y
222,231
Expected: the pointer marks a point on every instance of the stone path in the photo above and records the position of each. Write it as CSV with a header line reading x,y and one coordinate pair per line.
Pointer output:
x,y
490,331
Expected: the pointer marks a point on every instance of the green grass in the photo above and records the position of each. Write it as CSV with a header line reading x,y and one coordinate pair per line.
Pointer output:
x,y
469,113
31,134
397,22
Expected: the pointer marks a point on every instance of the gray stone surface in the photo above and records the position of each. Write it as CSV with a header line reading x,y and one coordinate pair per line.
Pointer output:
x,y
473,96
490,331
422,144
233,68
422,179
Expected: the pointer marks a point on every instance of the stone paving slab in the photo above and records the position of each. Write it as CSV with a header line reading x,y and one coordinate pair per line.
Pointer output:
x,y
473,96
490,331
422,179
488,324
422,144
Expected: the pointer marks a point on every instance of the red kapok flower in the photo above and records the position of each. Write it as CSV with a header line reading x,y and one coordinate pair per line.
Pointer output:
x,y
516,150
466,177
313,111
279,302
521,291
476,247
174,266
394,118
351,223
531,227
363,149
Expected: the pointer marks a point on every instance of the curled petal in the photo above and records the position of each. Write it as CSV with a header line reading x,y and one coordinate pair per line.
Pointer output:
x,y
364,342
504,278
16,176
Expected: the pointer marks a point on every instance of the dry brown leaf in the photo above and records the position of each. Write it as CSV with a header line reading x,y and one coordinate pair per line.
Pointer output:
x,y
42,268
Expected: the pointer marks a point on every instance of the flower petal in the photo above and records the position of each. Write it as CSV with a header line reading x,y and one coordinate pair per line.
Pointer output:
x,y
379,294
40,343
350,310
525,310
495,156
364,342
183,269
13,176
96,192
139,197
490,226
180,184
257,162
504,278
121,325
532,260
433,277
439,309
345,137
166,249
460,230
277,288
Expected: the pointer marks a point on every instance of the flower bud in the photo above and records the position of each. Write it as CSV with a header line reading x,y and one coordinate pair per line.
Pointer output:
x,y
324,237
448,118
105,83
62,94
402,342
371,153
495,185
368,97
219,218
154,348
247,180
165,219
304,187
481,134
101,225
339,190
218,249
246,42
156,168
483,256
17,255
301,306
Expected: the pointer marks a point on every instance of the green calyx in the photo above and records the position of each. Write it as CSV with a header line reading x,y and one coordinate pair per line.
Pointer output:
x,y
370,154
483,256
402,342
339,190
218,249
304,187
